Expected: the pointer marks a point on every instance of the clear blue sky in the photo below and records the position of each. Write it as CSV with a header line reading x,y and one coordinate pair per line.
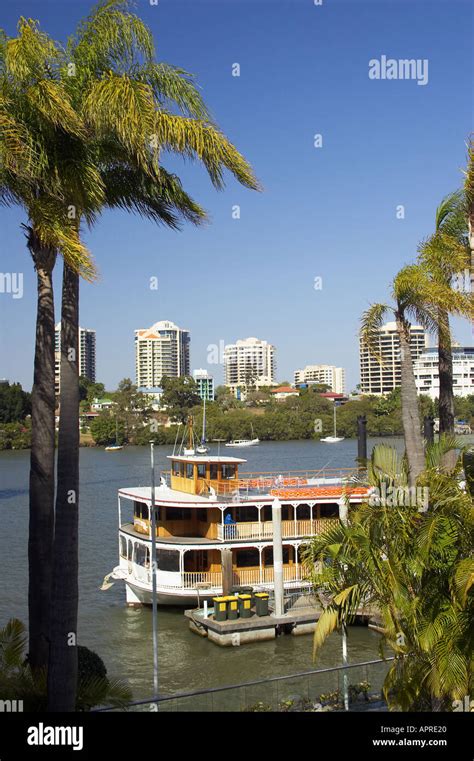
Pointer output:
x,y
325,212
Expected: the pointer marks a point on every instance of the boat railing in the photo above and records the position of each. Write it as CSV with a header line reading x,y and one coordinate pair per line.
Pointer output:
x,y
241,576
264,529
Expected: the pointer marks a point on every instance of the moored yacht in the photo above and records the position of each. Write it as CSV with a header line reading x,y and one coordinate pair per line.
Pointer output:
x,y
204,506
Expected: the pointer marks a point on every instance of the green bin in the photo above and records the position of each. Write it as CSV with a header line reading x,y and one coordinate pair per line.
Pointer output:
x,y
232,607
220,608
261,603
238,589
245,606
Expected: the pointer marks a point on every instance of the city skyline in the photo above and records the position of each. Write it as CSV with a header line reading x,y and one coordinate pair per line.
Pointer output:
x,y
283,267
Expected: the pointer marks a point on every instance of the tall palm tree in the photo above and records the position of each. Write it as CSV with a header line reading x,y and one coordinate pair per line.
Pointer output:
x,y
416,296
445,254
413,563
125,100
38,127
469,192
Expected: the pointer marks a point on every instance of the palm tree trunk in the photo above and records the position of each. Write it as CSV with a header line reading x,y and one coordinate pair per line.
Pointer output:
x,y
410,410
446,395
445,360
62,672
41,520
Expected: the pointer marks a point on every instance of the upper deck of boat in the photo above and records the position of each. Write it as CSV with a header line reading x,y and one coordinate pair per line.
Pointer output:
x,y
302,486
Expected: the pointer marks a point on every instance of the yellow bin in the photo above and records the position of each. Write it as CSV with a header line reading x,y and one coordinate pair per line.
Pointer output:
x,y
220,608
232,607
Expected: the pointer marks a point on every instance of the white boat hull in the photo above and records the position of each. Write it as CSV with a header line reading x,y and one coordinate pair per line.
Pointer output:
x,y
137,594
250,443
332,439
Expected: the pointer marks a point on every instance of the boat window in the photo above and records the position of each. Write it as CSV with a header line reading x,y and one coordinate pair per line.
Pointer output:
x,y
246,513
177,514
286,513
247,558
167,560
202,470
329,511
123,547
176,468
141,554
140,510
213,472
228,471
303,512
130,550
189,470
268,555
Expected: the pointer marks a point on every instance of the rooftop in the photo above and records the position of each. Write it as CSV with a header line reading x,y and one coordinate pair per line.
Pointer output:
x,y
205,458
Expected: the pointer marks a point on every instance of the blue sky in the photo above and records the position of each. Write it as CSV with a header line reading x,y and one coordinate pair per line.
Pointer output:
x,y
326,212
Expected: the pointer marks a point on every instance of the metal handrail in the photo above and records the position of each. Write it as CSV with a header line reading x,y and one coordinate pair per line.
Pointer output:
x,y
271,679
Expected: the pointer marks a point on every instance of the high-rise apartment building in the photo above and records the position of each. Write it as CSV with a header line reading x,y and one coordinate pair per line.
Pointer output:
x,y
87,357
380,377
161,350
205,384
248,363
334,377
427,372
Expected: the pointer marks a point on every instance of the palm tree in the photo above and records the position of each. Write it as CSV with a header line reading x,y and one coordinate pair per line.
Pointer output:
x,y
469,193
125,100
372,321
412,563
418,296
445,255
39,129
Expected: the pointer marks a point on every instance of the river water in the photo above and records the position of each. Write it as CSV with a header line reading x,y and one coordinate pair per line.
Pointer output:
x,y
122,636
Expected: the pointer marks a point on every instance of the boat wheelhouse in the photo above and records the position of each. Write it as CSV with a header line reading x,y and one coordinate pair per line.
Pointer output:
x,y
204,506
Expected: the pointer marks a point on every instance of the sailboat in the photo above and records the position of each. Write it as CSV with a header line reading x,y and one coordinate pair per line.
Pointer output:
x,y
244,442
115,447
202,449
333,439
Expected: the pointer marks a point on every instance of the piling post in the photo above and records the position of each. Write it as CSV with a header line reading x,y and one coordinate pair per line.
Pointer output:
x,y
361,440
226,563
277,558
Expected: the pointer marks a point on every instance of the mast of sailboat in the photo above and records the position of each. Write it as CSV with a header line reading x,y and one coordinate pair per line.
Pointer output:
x,y
190,422
203,437
335,432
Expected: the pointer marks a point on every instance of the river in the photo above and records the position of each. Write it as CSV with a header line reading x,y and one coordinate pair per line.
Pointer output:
x,y
122,636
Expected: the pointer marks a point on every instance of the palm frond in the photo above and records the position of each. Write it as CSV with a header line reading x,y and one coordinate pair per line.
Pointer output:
x,y
371,322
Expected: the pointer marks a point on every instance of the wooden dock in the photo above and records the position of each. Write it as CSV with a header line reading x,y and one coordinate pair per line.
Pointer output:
x,y
301,618
254,629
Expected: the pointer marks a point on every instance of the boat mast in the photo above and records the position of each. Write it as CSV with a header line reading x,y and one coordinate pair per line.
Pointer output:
x,y
335,433
203,437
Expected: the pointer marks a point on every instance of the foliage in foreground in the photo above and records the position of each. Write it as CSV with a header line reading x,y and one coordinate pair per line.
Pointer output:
x,y
413,563
17,681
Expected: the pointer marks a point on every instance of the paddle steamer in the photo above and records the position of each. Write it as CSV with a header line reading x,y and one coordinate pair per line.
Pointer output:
x,y
204,506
